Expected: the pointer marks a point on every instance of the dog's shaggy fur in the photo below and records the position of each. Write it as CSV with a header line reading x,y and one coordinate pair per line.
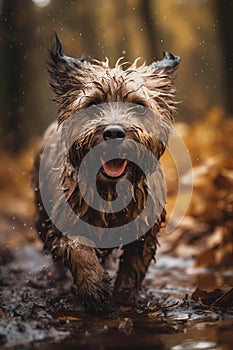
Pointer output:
x,y
79,85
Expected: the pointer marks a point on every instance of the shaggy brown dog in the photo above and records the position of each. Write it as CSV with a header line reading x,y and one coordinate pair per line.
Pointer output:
x,y
129,107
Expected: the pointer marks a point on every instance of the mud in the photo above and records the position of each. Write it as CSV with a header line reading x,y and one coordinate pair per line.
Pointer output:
x,y
39,308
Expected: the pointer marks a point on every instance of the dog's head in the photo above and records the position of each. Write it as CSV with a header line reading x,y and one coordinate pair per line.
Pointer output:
x,y
126,111
136,103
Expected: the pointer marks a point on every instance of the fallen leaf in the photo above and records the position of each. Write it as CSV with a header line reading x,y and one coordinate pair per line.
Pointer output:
x,y
220,297
68,318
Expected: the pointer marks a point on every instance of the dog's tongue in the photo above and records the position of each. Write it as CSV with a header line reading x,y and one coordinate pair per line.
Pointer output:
x,y
114,167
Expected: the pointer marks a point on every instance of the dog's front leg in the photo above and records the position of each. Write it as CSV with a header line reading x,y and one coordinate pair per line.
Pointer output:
x,y
134,264
93,283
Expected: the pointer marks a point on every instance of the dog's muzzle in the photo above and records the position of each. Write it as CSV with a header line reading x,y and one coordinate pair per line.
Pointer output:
x,y
115,167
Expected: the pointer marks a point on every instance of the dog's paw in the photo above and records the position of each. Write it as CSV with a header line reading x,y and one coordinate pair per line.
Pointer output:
x,y
93,283
97,298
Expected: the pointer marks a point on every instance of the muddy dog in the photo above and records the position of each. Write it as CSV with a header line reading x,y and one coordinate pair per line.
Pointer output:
x,y
131,106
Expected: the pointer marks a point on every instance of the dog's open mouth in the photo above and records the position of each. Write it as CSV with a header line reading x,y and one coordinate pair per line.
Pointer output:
x,y
114,167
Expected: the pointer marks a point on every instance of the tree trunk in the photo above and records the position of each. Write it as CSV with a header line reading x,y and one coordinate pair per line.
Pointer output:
x,y
150,30
13,29
224,13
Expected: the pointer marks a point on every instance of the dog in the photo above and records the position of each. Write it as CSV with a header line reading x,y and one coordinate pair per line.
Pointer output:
x,y
127,111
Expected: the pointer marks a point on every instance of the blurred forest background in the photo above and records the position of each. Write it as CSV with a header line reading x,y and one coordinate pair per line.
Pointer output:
x,y
200,31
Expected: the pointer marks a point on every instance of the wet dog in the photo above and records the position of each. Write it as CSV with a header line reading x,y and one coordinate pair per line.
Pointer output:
x,y
125,113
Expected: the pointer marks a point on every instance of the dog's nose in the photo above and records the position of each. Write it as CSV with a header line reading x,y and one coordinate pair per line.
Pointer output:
x,y
114,132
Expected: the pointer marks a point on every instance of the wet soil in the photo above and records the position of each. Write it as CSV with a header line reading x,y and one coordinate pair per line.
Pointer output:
x,y
39,308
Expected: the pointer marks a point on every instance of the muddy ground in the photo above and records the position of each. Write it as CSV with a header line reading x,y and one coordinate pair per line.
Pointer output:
x,y
39,308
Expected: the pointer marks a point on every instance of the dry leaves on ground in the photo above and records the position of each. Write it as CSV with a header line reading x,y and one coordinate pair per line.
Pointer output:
x,y
207,230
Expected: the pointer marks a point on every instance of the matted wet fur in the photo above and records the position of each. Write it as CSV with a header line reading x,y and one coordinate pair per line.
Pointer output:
x,y
84,83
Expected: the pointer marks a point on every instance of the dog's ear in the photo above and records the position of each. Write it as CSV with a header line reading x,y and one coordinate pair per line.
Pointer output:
x,y
161,76
61,68
169,63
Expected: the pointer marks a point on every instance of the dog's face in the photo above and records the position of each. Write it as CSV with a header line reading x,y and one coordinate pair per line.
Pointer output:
x,y
136,103
128,114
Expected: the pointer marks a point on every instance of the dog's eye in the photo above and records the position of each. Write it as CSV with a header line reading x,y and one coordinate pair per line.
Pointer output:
x,y
93,108
139,109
